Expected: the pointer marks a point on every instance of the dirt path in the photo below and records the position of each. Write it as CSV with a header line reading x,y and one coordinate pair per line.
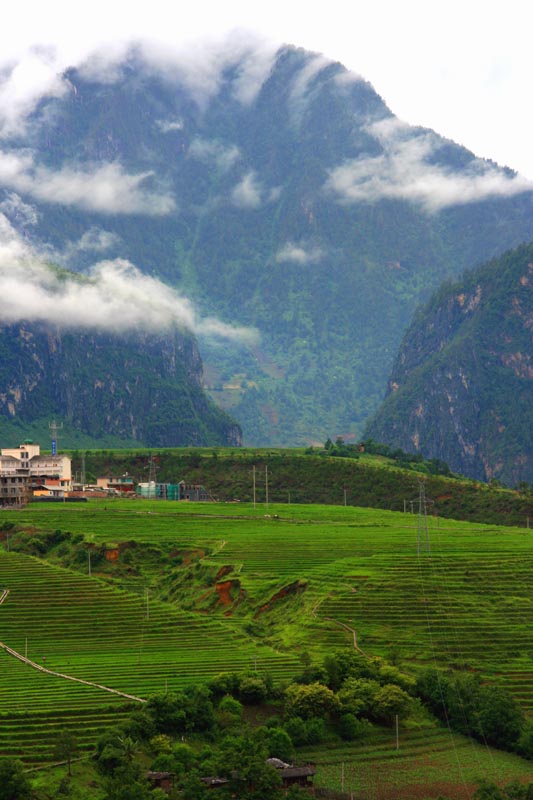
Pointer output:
x,y
67,677
27,661
343,625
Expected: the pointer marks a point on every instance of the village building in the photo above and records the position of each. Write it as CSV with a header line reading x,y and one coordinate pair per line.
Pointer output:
x,y
124,484
25,471
174,491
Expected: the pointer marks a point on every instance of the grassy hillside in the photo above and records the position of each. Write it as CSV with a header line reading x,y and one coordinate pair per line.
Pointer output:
x,y
179,592
295,476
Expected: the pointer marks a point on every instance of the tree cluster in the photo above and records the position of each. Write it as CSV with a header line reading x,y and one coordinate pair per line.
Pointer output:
x,y
485,712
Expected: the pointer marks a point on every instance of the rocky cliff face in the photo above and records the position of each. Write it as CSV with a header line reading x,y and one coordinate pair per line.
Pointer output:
x,y
461,388
130,387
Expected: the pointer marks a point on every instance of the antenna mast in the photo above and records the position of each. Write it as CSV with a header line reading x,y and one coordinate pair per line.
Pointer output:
x,y
54,427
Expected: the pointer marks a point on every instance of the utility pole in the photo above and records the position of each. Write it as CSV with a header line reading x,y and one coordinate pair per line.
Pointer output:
x,y
151,478
423,531
266,485
89,554
253,472
344,490
397,734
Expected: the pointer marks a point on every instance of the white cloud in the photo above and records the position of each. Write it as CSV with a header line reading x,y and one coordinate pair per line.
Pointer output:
x,y
301,86
104,188
210,151
202,69
407,169
115,296
248,193
96,240
23,83
169,126
19,212
299,253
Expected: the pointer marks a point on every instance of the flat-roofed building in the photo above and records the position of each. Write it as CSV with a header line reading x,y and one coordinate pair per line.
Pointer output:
x,y
43,472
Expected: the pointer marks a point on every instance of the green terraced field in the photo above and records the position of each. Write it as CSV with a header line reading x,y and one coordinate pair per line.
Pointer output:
x,y
77,626
428,762
468,602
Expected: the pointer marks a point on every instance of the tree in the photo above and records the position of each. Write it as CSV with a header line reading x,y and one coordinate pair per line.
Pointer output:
x,y
280,744
66,747
390,700
14,784
498,718
167,712
252,690
310,700
358,695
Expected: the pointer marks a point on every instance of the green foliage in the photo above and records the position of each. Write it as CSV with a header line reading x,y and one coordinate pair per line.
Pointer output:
x,y
513,791
14,785
310,700
280,744
498,717
66,747
489,713
462,389
252,689
390,701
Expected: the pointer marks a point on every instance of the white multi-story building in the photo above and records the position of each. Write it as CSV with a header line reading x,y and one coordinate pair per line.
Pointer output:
x,y
50,473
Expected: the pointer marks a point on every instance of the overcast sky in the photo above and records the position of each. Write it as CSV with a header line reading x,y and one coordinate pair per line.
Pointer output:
x,y
461,68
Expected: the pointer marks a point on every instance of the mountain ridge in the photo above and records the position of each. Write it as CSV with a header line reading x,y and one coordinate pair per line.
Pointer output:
x,y
461,385
295,203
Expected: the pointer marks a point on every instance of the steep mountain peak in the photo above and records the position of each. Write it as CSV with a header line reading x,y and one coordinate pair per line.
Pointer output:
x,y
461,388
274,189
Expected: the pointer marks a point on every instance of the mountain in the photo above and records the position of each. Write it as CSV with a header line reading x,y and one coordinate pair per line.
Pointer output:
x,y
106,389
461,388
276,193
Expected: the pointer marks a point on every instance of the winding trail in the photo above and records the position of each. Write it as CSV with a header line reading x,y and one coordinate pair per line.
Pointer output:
x,y
30,663
343,625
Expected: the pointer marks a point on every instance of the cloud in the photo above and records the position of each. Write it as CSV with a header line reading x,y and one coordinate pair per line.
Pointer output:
x,y
96,240
302,83
20,213
93,241
169,126
115,296
408,169
213,152
247,57
298,254
248,193
23,83
40,72
103,188
251,193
